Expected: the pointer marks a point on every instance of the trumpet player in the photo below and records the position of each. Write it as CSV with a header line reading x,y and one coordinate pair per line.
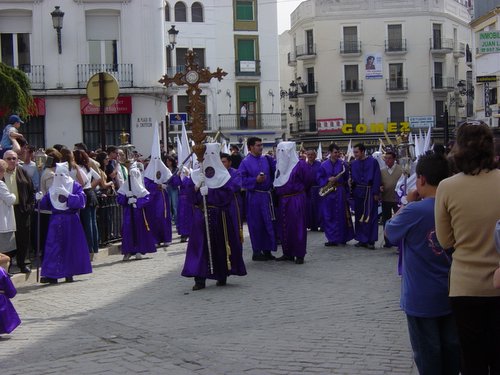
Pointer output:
x,y
332,177
365,184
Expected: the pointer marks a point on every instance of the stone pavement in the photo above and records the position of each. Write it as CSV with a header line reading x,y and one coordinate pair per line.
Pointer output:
x,y
336,314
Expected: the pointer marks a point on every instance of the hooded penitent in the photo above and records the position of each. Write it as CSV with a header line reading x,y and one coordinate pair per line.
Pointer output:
x,y
156,170
61,179
212,173
286,160
134,186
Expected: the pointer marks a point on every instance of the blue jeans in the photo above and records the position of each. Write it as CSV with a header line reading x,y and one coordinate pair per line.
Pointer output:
x,y
435,345
173,195
89,222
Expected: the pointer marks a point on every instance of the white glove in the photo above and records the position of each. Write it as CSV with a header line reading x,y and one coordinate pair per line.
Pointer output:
x,y
62,191
132,200
38,195
164,186
204,190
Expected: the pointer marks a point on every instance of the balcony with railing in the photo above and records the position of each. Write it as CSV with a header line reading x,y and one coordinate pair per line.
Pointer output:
x,y
307,90
247,68
124,73
303,126
36,75
305,51
254,121
351,87
396,85
292,59
441,46
350,48
395,46
442,84
458,50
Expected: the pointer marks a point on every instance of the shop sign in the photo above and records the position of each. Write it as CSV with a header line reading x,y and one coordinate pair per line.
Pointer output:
x,y
122,105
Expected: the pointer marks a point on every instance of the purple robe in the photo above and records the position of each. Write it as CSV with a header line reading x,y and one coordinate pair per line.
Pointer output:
x,y
366,179
337,221
158,212
9,319
66,250
184,205
313,202
260,211
236,205
222,234
137,236
292,210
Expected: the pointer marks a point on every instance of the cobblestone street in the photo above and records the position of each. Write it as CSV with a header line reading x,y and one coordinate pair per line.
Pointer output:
x,y
336,314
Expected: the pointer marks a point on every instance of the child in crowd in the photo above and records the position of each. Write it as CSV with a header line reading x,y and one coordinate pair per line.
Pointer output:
x,y
424,286
11,136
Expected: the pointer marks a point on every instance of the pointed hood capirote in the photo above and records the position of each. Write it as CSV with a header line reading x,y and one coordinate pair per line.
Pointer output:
x,y
286,160
137,188
156,170
61,179
214,174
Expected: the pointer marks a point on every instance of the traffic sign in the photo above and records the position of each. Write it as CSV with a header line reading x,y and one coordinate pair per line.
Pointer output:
x,y
102,84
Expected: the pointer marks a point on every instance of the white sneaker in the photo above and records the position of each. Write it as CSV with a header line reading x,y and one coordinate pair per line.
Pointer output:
x,y
126,257
138,256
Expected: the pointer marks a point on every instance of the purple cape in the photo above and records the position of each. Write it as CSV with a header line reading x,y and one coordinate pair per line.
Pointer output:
x,y
313,202
66,250
137,236
9,319
158,212
184,206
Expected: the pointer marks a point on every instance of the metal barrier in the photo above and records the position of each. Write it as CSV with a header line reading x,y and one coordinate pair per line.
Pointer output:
x,y
109,220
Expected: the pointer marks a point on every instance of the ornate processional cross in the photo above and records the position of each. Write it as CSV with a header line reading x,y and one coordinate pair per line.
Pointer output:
x,y
192,77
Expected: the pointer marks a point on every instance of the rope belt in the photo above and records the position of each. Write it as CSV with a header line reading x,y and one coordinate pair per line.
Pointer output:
x,y
293,194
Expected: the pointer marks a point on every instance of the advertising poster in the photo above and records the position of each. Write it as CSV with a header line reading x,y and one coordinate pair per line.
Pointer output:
x,y
373,66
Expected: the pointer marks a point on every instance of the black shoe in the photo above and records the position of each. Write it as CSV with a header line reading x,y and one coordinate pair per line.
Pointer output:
x,y
331,243
184,238
387,245
221,283
259,257
360,244
269,256
299,260
25,269
48,280
370,246
198,286
284,257
69,279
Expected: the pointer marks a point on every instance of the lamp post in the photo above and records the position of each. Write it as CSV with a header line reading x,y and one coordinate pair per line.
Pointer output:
x,y
373,102
446,130
57,21
172,37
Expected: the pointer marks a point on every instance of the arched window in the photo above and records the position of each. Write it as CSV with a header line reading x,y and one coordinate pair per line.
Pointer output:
x,y
167,12
180,12
196,12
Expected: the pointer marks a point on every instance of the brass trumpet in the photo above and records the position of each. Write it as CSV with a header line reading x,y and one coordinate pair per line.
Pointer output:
x,y
331,186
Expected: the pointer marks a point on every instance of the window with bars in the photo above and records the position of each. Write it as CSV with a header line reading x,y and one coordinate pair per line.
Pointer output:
x,y
397,111
352,114
394,37
34,131
115,124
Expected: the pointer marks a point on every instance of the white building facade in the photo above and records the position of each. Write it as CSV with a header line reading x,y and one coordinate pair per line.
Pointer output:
x,y
362,67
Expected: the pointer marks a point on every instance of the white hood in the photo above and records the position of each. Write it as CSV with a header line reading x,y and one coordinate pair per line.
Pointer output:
x,y
156,170
286,160
61,179
212,171
135,182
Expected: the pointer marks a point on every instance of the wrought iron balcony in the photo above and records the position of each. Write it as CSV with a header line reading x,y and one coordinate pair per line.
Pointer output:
x,y
303,126
124,73
396,85
352,87
308,89
292,59
254,121
395,46
305,51
250,68
441,46
36,75
442,84
350,47
458,49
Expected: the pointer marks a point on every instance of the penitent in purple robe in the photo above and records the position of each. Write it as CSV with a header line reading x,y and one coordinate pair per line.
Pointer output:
x,y
158,212
337,221
185,205
237,204
313,202
366,178
137,236
292,210
259,206
222,235
9,319
66,251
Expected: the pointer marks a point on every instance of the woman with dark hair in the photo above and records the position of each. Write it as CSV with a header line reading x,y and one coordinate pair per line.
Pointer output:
x,y
467,208
173,191
74,171
88,213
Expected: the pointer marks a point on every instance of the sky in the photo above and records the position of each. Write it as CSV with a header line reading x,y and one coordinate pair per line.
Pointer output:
x,y
285,8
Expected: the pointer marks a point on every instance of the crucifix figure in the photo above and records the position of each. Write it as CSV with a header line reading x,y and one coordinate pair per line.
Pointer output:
x,y
192,77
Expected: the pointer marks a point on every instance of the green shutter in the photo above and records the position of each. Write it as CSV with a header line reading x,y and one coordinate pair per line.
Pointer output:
x,y
244,10
247,94
246,49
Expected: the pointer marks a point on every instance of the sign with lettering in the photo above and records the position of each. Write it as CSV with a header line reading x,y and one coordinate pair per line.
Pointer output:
x,y
177,118
489,41
482,79
122,105
421,121
144,122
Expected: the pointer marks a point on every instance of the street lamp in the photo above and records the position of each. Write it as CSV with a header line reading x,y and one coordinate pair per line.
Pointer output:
x,y
172,37
373,102
57,21
295,112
